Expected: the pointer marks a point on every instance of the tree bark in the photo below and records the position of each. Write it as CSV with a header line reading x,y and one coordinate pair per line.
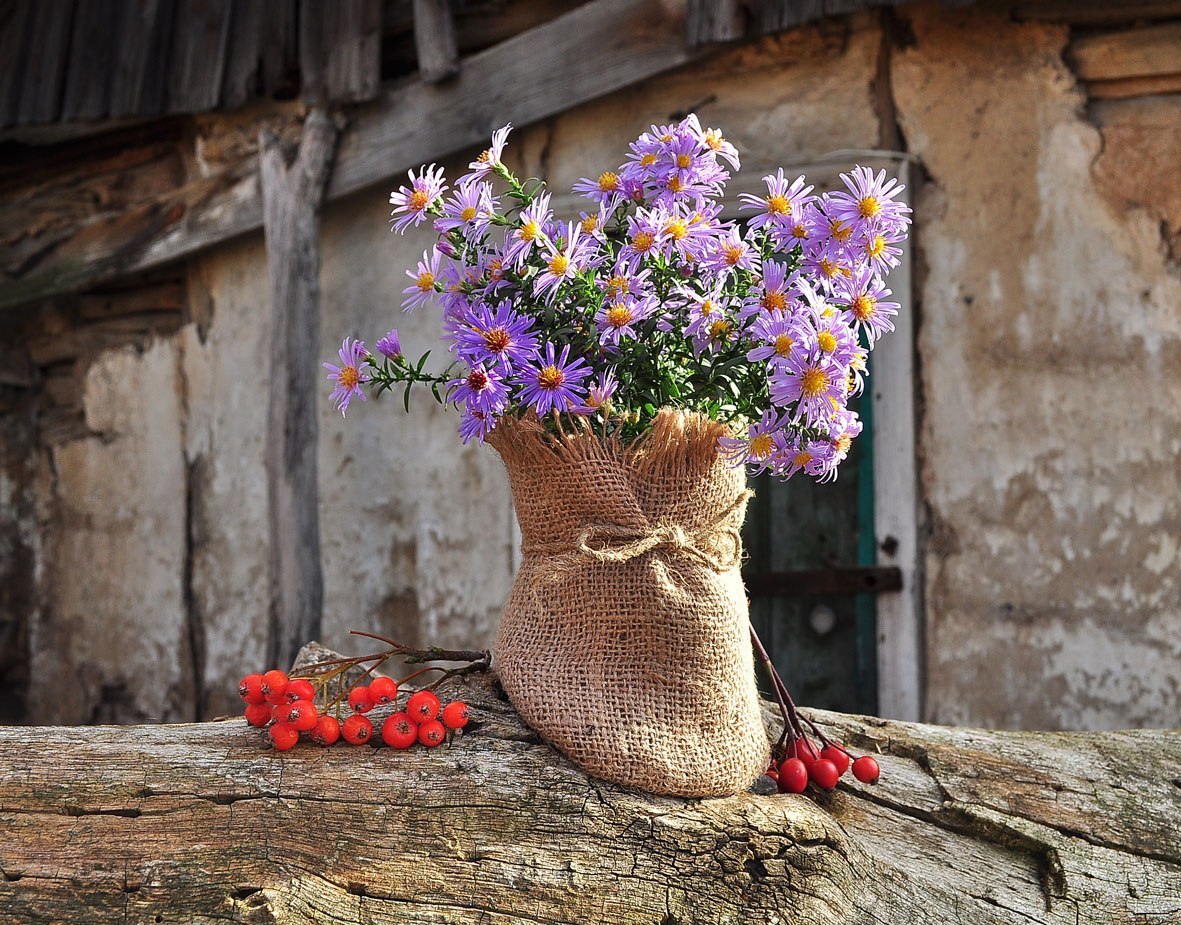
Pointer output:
x,y
293,187
197,823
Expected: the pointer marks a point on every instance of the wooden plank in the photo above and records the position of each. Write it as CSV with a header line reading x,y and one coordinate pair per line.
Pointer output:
x,y
201,31
591,52
1146,52
292,194
710,21
88,71
1098,12
848,579
48,42
1133,86
340,50
15,16
434,40
145,42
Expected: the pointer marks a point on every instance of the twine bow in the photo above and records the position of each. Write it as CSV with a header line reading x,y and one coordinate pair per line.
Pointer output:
x,y
610,542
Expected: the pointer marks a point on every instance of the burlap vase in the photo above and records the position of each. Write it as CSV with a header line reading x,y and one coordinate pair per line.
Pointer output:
x,y
625,641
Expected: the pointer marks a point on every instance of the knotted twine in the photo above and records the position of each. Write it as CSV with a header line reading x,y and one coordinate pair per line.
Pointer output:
x,y
624,642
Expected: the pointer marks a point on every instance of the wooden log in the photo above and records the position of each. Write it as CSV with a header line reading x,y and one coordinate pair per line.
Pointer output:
x,y
197,823
1145,52
434,40
292,191
1133,86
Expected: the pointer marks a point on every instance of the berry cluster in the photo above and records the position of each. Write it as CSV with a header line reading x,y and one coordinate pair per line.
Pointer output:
x,y
794,768
288,706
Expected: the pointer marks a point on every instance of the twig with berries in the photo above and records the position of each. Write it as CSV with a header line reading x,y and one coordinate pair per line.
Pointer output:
x,y
795,760
288,705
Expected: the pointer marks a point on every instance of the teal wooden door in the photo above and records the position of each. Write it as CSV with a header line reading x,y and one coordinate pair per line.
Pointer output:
x,y
811,577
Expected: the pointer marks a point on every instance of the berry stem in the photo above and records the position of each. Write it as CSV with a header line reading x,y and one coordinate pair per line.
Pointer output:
x,y
792,720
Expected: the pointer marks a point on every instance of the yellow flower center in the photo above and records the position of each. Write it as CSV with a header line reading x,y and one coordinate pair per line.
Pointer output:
x,y
496,268
619,315
813,382
666,138
590,223
618,284
683,161
496,340
732,253
876,247
468,214
869,207
348,377
647,160
840,230
719,329
826,342
707,307
550,377
829,267
418,200
863,307
714,140
642,241
774,301
426,281
529,231
778,205
783,345
802,458
485,156
842,443
799,231
608,181
559,264
674,183
676,229
761,446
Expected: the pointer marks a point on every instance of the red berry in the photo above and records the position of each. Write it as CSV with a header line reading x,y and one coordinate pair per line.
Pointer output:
x,y
326,731
838,756
422,707
357,730
360,699
823,773
302,715
250,689
793,776
806,751
399,731
258,714
772,773
300,689
383,690
274,686
431,733
283,736
456,715
866,770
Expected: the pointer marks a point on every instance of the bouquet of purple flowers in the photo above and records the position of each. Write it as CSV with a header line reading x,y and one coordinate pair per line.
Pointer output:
x,y
650,299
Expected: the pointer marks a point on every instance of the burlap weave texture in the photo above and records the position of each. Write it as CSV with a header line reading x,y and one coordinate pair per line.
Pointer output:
x,y
625,640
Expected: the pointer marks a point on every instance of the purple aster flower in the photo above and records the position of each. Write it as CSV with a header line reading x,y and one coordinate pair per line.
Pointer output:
x,y
530,231
470,210
825,265
550,383
781,204
834,337
607,190
623,282
481,389
876,251
731,251
778,336
870,200
812,380
864,299
618,318
425,277
476,423
600,392
415,200
712,139
490,158
772,293
762,448
643,232
353,370
389,346
495,273
827,228
563,263
842,431
495,337
812,457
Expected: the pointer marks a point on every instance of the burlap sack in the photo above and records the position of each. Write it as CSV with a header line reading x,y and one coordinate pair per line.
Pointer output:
x,y
625,641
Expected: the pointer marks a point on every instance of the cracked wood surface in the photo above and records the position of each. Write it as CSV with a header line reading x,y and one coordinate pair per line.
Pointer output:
x,y
202,823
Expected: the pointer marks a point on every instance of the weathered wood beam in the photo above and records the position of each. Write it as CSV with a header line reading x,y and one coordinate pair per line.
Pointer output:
x,y
1098,12
434,40
292,191
204,822
710,21
590,52
1146,52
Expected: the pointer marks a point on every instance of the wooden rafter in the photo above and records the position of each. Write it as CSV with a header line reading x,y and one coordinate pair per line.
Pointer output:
x,y
590,52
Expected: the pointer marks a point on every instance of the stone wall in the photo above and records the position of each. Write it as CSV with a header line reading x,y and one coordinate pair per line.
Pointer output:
x,y
132,501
